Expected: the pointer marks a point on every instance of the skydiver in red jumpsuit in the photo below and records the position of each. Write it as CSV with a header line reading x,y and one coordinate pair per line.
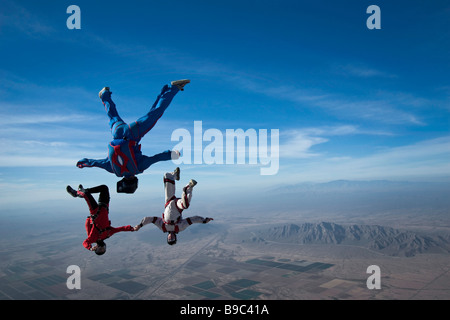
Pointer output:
x,y
98,225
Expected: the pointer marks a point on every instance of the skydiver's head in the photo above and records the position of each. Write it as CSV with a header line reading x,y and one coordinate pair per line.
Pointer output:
x,y
101,247
172,238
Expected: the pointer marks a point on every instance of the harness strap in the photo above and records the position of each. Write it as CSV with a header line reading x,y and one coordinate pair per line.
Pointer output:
x,y
171,222
168,201
169,180
176,205
102,230
100,206
95,216
164,229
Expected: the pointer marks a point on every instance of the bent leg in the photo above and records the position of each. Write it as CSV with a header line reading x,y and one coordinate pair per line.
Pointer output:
x,y
148,121
102,199
92,204
186,197
104,193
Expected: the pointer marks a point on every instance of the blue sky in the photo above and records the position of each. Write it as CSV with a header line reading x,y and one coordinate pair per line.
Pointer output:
x,y
349,102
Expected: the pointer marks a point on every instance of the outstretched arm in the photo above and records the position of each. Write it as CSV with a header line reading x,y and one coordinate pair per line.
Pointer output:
x,y
101,163
155,220
92,235
183,224
121,229
147,161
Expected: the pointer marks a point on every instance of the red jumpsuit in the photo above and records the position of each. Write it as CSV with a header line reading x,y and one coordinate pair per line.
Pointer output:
x,y
98,225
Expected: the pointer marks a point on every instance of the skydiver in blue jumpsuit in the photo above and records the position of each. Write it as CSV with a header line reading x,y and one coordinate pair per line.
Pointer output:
x,y
125,158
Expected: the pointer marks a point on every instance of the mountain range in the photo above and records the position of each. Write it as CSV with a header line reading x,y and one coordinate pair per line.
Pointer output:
x,y
386,240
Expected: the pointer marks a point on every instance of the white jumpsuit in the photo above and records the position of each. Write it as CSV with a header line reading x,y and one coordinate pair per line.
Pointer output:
x,y
172,220
174,206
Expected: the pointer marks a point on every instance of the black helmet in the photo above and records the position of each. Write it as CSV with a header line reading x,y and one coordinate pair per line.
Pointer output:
x,y
101,247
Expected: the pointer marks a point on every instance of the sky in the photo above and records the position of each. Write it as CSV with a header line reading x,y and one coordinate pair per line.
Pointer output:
x,y
348,102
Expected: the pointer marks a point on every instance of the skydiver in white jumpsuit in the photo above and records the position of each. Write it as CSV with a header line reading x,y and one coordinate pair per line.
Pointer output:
x,y
172,220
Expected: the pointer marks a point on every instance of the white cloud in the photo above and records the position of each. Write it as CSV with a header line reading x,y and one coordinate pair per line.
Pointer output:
x,y
23,20
38,119
39,153
385,107
299,143
423,159
36,161
362,71
382,110
341,130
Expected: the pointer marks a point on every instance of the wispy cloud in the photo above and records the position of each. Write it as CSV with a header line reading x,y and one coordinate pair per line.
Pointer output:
x,y
341,130
386,107
51,151
381,110
361,70
423,159
299,143
47,138
41,119
20,19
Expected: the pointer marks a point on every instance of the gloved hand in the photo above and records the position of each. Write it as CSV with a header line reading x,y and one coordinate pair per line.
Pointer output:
x,y
82,163
206,220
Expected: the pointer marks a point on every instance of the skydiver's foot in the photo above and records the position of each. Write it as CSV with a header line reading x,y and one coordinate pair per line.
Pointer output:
x,y
105,89
81,189
192,183
180,83
175,154
72,192
176,173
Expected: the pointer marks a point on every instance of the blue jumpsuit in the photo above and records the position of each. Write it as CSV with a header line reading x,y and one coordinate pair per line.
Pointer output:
x,y
125,158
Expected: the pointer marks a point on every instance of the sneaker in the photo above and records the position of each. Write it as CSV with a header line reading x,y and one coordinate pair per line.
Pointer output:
x,y
180,83
81,189
105,89
176,173
189,186
72,192
192,183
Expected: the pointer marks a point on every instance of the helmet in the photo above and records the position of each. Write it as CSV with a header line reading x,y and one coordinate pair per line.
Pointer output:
x,y
101,247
